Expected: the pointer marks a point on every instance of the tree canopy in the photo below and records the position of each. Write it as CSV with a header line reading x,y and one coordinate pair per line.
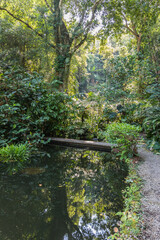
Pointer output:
x,y
63,25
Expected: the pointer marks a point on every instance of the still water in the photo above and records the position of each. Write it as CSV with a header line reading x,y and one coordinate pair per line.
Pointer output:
x,y
72,195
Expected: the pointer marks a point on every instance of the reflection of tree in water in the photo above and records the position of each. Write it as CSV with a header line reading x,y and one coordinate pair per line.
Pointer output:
x,y
101,192
75,198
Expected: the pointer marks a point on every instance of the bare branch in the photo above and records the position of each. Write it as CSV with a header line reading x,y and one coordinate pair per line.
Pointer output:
x,y
27,25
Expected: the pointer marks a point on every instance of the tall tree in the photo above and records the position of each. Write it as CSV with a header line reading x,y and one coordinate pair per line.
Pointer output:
x,y
69,23
131,16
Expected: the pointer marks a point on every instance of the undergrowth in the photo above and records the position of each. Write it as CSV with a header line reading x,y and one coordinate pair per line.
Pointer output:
x,y
130,221
126,137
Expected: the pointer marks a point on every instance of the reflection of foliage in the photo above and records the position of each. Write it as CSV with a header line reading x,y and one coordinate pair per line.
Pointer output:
x,y
101,178
78,189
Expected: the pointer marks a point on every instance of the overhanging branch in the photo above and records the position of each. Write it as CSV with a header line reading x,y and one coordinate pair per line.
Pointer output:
x,y
126,26
76,32
93,13
27,25
87,27
80,43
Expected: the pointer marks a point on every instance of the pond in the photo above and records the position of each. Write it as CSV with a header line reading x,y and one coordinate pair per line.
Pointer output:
x,y
73,194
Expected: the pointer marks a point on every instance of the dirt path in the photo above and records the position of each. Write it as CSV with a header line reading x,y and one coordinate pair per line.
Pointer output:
x,y
149,171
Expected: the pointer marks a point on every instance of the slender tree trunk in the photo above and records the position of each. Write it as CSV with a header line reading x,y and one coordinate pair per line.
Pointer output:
x,y
22,55
66,73
139,42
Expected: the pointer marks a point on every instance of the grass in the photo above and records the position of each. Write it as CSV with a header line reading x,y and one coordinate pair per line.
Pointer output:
x,y
14,157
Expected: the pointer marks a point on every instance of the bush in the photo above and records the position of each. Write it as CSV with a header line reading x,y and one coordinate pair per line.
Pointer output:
x,y
125,136
14,157
151,126
131,113
109,115
130,221
30,107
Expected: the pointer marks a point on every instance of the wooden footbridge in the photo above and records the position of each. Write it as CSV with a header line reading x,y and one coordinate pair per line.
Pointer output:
x,y
91,145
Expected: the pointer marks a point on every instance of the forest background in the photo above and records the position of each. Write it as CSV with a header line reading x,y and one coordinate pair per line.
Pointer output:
x,y
69,68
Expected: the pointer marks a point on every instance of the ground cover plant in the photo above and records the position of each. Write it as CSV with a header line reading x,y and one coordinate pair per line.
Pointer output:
x,y
13,158
126,138
131,218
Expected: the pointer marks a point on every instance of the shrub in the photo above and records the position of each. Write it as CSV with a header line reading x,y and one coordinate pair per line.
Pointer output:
x,y
131,113
151,126
30,107
125,136
130,221
109,114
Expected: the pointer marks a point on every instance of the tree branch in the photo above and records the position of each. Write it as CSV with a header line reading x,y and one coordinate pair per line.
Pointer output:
x,y
76,32
49,6
126,26
93,13
134,28
80,43
27,25
87,27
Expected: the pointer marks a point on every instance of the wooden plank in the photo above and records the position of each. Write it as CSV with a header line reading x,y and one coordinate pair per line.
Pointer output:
x,y
92,145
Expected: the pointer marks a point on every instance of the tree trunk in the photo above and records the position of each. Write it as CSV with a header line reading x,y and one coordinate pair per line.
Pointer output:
x,y
22,56
139,42
63,39
62,69
63,46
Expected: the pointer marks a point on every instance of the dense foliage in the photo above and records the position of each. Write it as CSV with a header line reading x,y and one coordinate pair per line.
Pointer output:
x,y
30,107
85,70
125,136
115,67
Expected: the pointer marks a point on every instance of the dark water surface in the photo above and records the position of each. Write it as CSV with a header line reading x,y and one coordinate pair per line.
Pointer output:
x,y
74,194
